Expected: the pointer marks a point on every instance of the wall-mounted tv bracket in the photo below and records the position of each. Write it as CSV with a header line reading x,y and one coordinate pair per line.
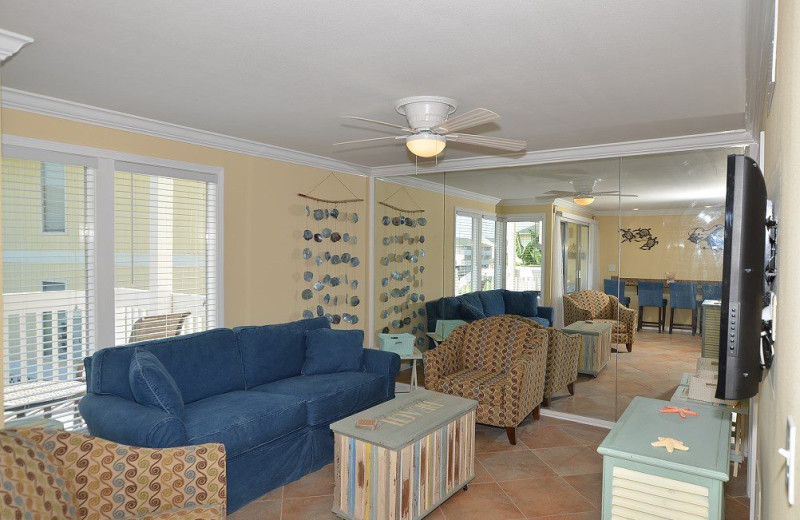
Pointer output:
x,y
768,311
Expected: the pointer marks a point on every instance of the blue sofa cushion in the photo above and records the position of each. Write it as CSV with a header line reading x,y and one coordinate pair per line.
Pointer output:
x,y
243,420
470,313
330,397
329,351
521,303
273,352
202,364
544,322
493,302
450,308
472,299
152,385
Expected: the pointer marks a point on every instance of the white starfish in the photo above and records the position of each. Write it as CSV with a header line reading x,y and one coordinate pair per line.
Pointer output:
x,y
670,444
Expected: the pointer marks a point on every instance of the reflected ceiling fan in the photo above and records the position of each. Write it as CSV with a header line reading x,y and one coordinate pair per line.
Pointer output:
x,y
430,127
583,193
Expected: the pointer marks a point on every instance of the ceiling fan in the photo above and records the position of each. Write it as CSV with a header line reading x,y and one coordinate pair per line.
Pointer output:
x,y
583,193
430,127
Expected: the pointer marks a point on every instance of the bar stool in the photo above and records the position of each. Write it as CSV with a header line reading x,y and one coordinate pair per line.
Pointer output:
x,y
711,291
651,294
611,287
683,295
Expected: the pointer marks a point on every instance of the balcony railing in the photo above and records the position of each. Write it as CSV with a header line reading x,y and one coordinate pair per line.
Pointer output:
x,y
48,334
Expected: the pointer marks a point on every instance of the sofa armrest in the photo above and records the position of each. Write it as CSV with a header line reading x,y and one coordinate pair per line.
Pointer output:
x,y
115,481
120,420
547,313
384,363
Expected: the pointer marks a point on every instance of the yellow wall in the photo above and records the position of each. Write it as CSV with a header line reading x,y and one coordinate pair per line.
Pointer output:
x,y
673,253
263,216
780,391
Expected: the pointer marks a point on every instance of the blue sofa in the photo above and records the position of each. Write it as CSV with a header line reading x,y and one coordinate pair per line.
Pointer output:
x,y
243,388
483,304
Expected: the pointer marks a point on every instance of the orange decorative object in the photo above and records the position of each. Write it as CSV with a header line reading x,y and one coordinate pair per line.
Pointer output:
x,y
683,412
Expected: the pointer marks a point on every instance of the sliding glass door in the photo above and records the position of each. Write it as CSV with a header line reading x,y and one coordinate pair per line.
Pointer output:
x,y
576,255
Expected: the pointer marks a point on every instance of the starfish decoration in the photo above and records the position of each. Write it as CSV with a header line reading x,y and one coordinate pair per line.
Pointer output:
x,y
669,443
683,412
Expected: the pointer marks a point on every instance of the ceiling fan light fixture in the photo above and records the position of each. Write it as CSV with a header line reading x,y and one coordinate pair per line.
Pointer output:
x,y
425,144
583,200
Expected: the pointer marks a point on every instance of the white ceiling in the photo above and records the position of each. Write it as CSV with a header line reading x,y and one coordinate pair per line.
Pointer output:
x,y
685,181
561,74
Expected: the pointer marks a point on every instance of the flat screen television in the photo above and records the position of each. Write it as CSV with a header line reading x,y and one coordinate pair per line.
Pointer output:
x,y
742,280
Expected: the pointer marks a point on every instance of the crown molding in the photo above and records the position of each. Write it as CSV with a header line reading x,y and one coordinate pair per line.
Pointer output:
x,y
60,108
653,212
579,153
11,43
435,187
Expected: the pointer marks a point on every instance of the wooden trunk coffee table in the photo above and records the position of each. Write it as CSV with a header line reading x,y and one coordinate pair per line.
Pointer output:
x,y
420,455
596,349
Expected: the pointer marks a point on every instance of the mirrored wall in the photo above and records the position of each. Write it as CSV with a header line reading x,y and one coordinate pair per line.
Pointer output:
x,y
647,229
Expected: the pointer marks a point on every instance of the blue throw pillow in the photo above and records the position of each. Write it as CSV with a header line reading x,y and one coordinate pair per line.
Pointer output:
x,y
521,303
152,385
470,313
329,351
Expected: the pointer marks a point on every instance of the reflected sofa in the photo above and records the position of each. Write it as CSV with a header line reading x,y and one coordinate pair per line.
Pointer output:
x,y
57,474
601,307
484,304
242,388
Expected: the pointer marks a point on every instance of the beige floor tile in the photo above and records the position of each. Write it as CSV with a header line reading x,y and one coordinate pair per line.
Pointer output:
x,y
481,502
585,434
309,508
588,515
275,494
315,484
571,460
481,475
546,437
436,514
490,439
541,497
736,510
514,465
590,486
258,510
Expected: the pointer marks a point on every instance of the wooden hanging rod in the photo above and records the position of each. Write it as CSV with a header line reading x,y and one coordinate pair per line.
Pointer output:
x,y
401,210
344,201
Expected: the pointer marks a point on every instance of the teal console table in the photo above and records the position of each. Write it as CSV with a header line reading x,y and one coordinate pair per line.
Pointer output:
x,y
642,481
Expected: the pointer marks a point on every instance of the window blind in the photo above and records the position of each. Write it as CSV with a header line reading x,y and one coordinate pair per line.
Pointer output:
x,y
464,246
164,255
488,254
48,252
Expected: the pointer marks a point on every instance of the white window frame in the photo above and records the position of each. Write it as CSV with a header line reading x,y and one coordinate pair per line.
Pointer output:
x,y
477,232
526,217
101,285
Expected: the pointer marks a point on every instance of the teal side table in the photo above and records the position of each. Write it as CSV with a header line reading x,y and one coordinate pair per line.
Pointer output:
x,y
641,481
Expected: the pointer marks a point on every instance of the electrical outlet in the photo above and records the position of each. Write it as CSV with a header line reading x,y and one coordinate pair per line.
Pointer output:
x,y
612,268
789,454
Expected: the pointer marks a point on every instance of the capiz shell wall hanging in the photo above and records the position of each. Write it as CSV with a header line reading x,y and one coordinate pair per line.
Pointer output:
x,y
329,263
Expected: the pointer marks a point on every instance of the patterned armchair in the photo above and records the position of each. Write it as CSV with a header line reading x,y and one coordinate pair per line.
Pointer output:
x,y
601,307
500,362
57,474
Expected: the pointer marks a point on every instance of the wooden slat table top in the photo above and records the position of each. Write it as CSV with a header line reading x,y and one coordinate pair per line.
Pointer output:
x,y
706,435
423,410
590,327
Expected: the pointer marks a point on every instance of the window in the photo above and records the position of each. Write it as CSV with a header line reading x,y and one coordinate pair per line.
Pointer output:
x,y
476,253
151,272
54,206
524,253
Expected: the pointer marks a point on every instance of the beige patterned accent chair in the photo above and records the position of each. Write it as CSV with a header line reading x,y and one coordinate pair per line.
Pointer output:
x,y
601,307
56,474
500,362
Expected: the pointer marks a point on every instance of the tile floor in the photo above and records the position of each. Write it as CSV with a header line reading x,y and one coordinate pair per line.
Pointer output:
x,y
553,472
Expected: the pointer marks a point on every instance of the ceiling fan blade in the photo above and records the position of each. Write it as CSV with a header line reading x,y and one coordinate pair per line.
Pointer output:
x,y
559,193
404,128
613,192
610,195
474,117
371,139
501,143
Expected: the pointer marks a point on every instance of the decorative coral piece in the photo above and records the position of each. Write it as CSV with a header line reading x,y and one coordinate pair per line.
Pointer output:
x,y
683,412
670,444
